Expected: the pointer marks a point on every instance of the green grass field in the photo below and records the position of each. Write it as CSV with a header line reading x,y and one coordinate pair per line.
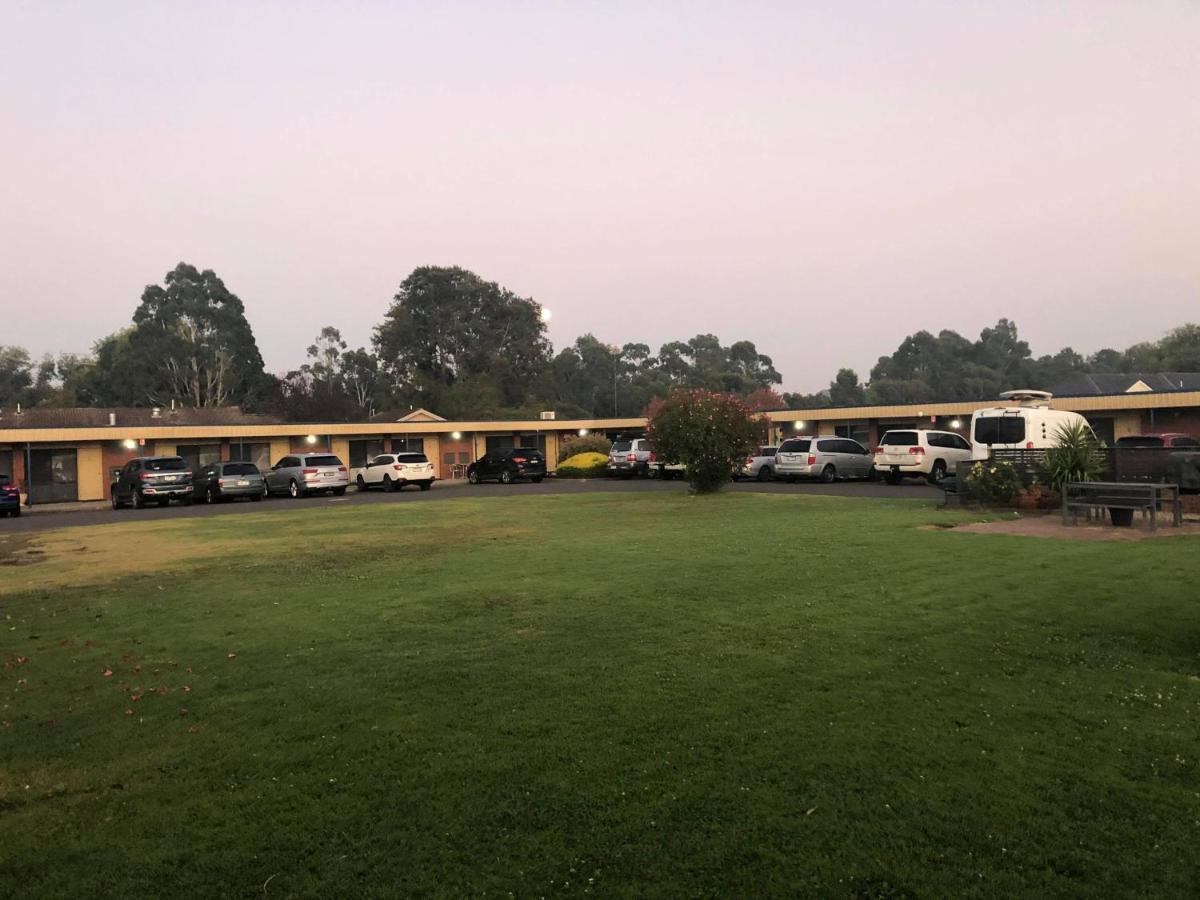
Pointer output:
x,y
617,695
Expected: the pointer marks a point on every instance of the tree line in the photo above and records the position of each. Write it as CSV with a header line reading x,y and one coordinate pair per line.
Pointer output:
x,y
469,348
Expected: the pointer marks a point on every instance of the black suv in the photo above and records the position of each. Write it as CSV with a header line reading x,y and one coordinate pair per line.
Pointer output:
x,y
152,479
506,466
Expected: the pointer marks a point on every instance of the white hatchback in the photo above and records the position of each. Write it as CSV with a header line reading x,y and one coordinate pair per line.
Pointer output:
x,y
392,471
930,454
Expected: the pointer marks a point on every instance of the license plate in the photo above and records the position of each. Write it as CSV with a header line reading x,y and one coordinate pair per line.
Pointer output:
x,y
243,484
328,474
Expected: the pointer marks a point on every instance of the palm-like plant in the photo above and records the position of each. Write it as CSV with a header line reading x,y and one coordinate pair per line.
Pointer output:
x,y
1075,457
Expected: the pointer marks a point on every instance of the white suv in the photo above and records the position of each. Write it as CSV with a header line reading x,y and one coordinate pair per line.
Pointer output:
x,y
931,454
392,471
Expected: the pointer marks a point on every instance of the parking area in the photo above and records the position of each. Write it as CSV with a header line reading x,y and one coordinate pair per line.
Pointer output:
x,y
99,514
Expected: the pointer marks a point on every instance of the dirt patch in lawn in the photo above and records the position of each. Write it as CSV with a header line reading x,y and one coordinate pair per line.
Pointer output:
x,y
1051,526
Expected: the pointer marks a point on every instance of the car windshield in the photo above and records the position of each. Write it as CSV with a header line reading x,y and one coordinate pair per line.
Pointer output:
x,y
900,439
412,458
622,446
322,461
1000,430
1139,440
241,468
172,464
796,445
527,452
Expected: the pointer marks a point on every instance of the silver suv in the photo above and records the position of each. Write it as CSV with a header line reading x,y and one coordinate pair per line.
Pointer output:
x,y
306,473
823,457
630,456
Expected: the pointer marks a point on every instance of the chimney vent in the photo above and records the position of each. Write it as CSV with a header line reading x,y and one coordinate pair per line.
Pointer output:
x,y
112,418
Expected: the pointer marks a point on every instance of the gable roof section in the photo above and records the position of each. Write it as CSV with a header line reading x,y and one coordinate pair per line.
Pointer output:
x,y
416,415
1113,383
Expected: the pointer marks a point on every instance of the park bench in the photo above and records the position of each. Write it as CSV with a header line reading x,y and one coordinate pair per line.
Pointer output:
x,y
1096,496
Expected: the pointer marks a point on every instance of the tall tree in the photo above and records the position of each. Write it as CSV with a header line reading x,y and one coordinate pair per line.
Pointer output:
x,y
448,330
190,343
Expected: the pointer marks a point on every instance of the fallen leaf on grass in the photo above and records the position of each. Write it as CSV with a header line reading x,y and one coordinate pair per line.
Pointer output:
x,y
108,673
134,698
129,712
187,688
232,655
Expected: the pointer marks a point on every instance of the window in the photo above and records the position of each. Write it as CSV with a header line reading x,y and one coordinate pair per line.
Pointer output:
x,y
767,451
322,461
197,456
621,446
828,446
958,442
1185,442
240,468
52,476
257,453
899,439
408,445
363,451
384,460
464,457
166,464
851,447
447,459
858,431
533,442
1000,430
796,445
412,458
499,442
288,462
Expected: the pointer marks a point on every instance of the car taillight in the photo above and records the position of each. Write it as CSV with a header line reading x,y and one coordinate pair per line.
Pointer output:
x,y
653,456
812,460
878,450
1029,445
220,482
398,466
310,471
632,457
7,487
749,460
917,451
145,476
518,459
341,468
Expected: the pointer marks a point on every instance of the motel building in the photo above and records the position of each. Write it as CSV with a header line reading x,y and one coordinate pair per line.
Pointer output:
x,y
62,455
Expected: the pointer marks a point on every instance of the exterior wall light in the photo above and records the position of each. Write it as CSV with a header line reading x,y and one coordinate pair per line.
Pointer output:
x,y
129,444
798,424
456,435
310,439
956,423
583,432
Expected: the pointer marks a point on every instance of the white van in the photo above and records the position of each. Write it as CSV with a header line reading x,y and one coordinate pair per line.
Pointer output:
x,y
1029,425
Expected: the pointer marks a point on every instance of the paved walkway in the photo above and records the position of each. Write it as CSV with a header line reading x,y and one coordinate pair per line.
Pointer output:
x,y
63,515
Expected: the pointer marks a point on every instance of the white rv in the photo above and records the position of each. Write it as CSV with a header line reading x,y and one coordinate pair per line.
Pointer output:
x,y
1027,423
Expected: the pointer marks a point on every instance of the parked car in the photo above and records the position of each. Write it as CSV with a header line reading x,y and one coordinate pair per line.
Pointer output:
x,y
392,471
506,466
308,473
152,479
1028,423
630,456
10,496
1165,439
822,457
229,480
923,452
760,466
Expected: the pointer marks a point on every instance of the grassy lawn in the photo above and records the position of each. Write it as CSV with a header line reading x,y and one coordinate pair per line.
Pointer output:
x,y
638,695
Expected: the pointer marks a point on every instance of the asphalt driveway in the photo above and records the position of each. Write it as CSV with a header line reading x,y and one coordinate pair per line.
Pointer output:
x,y
49,517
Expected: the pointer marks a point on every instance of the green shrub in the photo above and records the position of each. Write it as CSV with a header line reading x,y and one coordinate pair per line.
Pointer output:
x,y
994,482
709,433
584,465
1075,456
587,443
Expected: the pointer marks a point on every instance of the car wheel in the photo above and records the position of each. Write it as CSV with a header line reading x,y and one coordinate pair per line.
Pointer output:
x,y
210,495
506,477
139,502
295,490
765,474
828,474
362,484
116,504
426,485
339,492
938,473
473,477
388,487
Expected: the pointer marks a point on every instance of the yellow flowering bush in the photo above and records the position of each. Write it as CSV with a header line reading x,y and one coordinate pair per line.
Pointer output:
x,y
994,482
583,465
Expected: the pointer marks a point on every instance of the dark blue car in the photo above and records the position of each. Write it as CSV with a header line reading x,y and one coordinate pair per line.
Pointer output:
x,y
10,497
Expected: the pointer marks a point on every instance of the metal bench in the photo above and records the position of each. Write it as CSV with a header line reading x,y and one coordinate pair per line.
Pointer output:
x,y
1097,496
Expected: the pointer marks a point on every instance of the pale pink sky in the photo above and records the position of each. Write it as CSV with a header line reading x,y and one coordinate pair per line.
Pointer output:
x,y
820,178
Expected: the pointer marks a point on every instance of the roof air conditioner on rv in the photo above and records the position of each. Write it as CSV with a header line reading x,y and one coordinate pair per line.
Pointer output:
x,y
1029,398
548,415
